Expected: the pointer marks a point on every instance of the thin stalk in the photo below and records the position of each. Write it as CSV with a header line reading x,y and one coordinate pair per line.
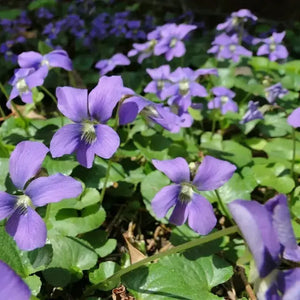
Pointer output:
x,y
294,153
6,96
293,164
223,207
48,210
183,247
110,160
49,94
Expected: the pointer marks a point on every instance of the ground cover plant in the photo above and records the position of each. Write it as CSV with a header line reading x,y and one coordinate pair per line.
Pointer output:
x,y
147,155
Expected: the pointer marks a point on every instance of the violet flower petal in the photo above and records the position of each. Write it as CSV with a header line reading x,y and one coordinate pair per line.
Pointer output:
x,y
11,285
85,154
65,140
29,59
294,118
213,173
72,102
60,59
201,215
7,204
54,188
176,169
107,141
282,223
28,229
25,161
165,199
179,214
104,97
255,222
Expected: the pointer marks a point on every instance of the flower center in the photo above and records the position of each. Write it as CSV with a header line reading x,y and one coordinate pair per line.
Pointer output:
x,y
45,62
184,86
173,42
224,99
272,47
22,203
160,84
88,132
22,86
232,48
186,192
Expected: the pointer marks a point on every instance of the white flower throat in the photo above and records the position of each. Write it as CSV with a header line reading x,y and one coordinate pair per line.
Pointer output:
x,y
88,132
22,86
22,203
186,193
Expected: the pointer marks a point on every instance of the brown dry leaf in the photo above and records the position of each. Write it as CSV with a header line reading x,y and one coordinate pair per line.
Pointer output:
x,y
31,114
120,294
135,254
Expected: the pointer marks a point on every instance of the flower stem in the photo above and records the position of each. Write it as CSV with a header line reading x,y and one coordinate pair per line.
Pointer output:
x,y
223,207
177,249
6,96
105,181
49,94
294,152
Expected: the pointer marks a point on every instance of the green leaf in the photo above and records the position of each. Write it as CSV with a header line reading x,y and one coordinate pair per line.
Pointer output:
x,y
41,3
34,283
64,166
236,188
68,222
176,277
9,253
10,14
105,270
99,241
150,185
275,125
273,174
38,259
44,48
70,256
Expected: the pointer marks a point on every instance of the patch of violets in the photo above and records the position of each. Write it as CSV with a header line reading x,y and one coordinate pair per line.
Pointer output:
x,y
274,92
184,195
228,47
34,69
268,232
252,113
88,135
107,65
237,20
223,100
273,48
24,224
11,285
166,39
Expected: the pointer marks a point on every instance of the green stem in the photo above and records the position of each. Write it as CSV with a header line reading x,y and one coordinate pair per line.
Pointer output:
x,y
49,94
293,164
294,152
47,216
213,124
177,249
223,207
105,181
6,96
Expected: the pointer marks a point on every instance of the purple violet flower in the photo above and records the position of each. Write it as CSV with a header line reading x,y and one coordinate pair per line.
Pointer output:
x,y
160,80
268,232
275,91
228,47
252,113
170,42
56,58
272,46
223,100
24,224
183,86
294,118
23,81
88,135
144,50
134,31
11,285
211,174
107,65
44,13
237,20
